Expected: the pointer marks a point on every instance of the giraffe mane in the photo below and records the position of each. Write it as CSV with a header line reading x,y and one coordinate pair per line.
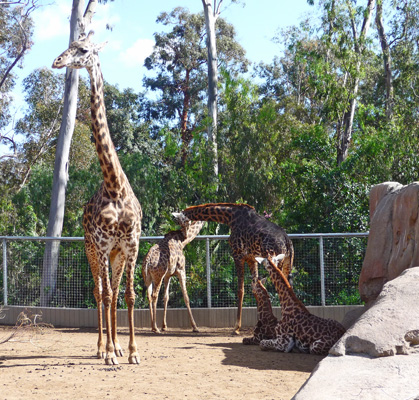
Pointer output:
x,y
220,204
281,274
287,284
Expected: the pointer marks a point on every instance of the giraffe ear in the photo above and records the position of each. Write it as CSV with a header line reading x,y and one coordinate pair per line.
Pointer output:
x,y
180,218
278,258
259,259
100,46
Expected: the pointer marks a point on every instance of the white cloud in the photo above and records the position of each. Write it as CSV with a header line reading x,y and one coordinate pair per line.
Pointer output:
x,y
135,55
52,21
105,15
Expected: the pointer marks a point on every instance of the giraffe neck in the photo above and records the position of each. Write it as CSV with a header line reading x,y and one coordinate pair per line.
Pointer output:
x,y
223,213
190,232
289,301
264,306
113,175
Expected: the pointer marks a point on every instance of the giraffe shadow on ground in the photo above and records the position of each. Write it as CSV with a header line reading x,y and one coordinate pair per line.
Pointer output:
x,y
239,355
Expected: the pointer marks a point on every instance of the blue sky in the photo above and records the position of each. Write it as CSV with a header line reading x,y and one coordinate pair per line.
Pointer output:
x,y
134,23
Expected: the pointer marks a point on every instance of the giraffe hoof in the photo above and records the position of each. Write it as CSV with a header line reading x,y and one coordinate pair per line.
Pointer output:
x,y
134,359
100,354
111,360
235,332
196,330
119,353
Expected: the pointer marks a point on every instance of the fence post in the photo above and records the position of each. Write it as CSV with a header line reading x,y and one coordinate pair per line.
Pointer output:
x,y
207,251
322,283
4,272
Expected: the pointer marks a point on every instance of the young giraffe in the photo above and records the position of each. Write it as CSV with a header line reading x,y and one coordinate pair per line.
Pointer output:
x,y
251,236
265,327
268,326
311,333
112,217
164,260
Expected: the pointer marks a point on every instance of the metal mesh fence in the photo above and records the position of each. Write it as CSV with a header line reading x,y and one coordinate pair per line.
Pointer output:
x,y
325,272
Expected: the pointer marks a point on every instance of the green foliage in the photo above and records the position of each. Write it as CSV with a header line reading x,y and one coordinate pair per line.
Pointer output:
x,y
278,136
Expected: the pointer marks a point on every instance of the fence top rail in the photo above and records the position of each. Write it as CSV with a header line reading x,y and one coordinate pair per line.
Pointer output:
x,y
199,237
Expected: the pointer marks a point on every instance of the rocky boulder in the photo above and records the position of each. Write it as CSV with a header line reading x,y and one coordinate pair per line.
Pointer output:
x,y
393,242
391,325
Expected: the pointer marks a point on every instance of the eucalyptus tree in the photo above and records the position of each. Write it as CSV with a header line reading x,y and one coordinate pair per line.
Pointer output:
x,y
16,29
79,21
179,62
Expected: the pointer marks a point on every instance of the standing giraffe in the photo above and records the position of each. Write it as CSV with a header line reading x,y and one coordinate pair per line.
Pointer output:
x,y
164,260
251,236
312,334
112,217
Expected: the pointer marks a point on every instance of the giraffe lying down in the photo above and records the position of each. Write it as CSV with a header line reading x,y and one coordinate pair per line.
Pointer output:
x,y
268,327
297,326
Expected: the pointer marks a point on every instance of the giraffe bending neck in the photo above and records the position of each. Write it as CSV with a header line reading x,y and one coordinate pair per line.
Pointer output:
x,y
289,301
216,212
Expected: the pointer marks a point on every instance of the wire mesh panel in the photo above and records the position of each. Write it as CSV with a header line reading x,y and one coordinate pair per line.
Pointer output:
x,y
305,277
343,256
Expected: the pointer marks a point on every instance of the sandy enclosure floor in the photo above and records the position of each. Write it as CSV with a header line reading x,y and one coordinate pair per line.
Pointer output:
x,y
61,364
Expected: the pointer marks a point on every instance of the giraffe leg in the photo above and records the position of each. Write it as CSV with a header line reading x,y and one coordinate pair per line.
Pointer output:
x,y
182,279
110,357
282,343
97,293
240,294
149,288
165,300
303,347
134,357
320,347
117,264
257,335
154,296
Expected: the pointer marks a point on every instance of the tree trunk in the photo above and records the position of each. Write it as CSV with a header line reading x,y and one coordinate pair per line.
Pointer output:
x,y
211,14
60,178
385,47
346,136
185,133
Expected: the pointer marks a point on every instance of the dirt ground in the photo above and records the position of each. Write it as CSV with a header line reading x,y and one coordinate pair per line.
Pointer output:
x,y
60,364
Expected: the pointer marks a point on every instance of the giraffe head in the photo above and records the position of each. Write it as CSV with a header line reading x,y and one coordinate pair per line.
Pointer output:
x,y
181,218
82,53
256,282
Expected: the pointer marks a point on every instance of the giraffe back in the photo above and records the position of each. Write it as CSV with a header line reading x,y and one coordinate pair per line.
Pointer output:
x,y
251,233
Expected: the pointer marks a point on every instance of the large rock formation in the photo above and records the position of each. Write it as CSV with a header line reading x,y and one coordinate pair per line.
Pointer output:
x,y
390,326
393,240
378,357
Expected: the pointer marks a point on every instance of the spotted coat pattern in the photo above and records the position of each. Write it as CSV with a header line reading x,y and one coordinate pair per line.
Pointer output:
x,y
164,260
266,320
112,217
312,334
252,235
